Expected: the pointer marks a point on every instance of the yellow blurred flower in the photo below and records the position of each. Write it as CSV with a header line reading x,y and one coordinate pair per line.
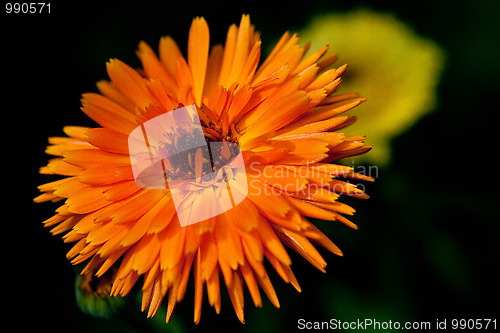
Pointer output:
x,y
397,70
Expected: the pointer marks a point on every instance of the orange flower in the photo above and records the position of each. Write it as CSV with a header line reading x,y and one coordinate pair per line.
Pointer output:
x,y
285,119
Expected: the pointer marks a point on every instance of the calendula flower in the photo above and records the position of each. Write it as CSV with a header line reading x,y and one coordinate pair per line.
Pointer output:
x,y
397,70
281,117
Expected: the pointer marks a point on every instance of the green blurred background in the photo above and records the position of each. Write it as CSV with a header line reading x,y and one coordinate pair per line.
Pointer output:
x,y
428,244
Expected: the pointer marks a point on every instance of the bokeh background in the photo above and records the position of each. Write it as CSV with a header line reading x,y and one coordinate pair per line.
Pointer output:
x,y
428,244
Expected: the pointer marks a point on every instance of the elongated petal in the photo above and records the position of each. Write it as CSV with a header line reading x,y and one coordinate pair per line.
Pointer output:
x,y
198,45
129,82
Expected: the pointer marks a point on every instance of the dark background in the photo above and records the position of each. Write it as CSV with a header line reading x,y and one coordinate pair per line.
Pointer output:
x,y
428,244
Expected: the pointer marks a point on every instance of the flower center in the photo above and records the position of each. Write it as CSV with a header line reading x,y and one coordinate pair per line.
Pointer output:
x,y
182,148
199,164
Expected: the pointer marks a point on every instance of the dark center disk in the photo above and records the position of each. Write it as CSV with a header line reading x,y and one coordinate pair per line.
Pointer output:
x,y
182,165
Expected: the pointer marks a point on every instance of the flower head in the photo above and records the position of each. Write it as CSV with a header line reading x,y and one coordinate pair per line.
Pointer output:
x,y
284,119
396,69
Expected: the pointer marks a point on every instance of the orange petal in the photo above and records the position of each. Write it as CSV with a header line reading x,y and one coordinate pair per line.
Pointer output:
x,y
240,49
228,243
172,249
198,45
330,110
108,140
213,290
279,115
60,167
94,157
87,200
251,65
141,226
235,290
284,271
113,257
101,175
113,246
324,79
303,151
120,190
137,206
245,208
327,61
279,94
184,78
316,127
252,285
310,60
213,69
300,244
272,243
61,145
287,51
227,59
307,76
109,90
208,250
277,176
198,288
267,286
319,238
306,208
102,232
76,132
169,54
154,68
107,113
316,193
129,82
